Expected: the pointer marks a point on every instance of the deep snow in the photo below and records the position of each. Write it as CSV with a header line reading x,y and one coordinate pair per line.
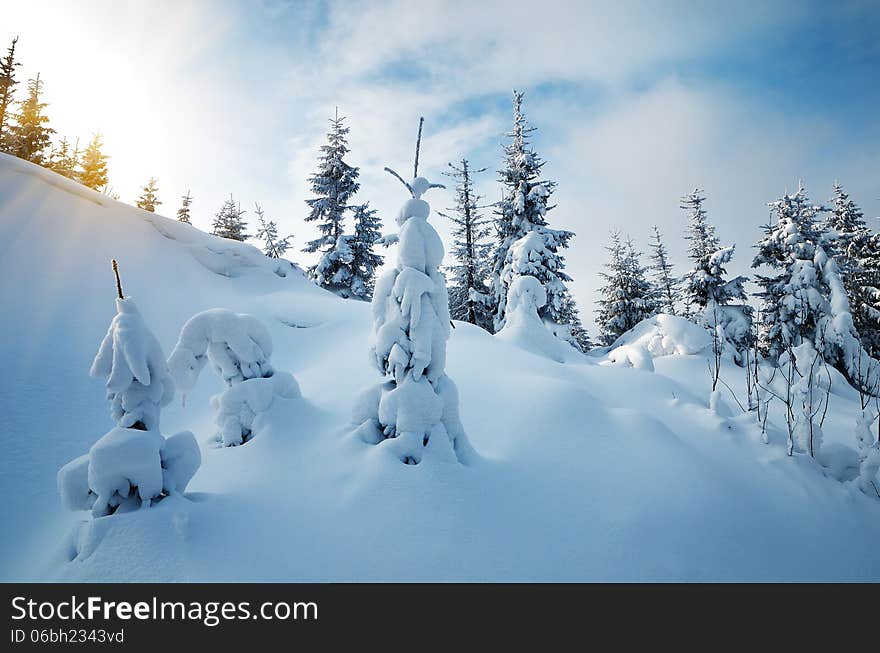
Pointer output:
x,y
584,471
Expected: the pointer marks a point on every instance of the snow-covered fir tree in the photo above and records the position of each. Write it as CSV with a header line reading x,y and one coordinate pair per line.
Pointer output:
x,y
148,201
627,296
668,286
805,300
334,185
8,64
857,251
413,413
273,246
93,167
31,135
364,260
63,159
229,222
183,213
522,211
239,348
700,234
468,292
333,270
133,464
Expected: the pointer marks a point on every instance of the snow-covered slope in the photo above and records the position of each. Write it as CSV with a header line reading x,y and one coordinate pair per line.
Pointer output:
x,y
584,470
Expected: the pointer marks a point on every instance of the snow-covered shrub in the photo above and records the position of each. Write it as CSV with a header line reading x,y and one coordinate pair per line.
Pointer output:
x,y
130,358
414,412
524,327
667,335
238,406
239,347
630,356
132,464
125,470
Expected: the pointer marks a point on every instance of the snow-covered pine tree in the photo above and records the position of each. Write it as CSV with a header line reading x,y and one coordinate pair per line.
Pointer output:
x,y
668,285
334,184
183,214
273,246
805,301
93,172
413,413
63,159
148,201
521,211
8,65
30,135
364,260
229,223
468,293
133,464
700,234
788,246
627,296
857,251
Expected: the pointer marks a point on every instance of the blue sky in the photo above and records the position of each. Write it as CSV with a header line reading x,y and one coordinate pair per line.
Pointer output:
x,y
636,102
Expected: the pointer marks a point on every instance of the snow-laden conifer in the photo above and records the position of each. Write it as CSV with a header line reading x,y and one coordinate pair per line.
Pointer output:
x,y
333,186
627,296
133,464
239,348
468,292
229,221
414,412
522,210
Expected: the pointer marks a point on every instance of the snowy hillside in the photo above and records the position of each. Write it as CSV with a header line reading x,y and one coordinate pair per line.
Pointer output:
x,y
607,466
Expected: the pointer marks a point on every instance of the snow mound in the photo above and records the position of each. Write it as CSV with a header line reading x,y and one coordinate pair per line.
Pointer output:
x,y
525,329
635,356
666,335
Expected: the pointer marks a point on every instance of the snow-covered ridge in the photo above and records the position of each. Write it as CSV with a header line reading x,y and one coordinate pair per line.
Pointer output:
x,y
583,471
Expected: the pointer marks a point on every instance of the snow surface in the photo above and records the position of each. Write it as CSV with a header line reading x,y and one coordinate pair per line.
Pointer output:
x,y
582,471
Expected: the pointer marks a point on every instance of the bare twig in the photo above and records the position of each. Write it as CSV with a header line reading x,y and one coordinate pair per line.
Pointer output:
x,y
400,179
118,283
418,145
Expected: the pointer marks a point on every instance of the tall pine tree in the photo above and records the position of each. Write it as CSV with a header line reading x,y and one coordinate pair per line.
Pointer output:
x,y
148,201
668,292
30,135
334,185
183,213
857,251
521,212
470,249
229,223
627,296
8,65
93,172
